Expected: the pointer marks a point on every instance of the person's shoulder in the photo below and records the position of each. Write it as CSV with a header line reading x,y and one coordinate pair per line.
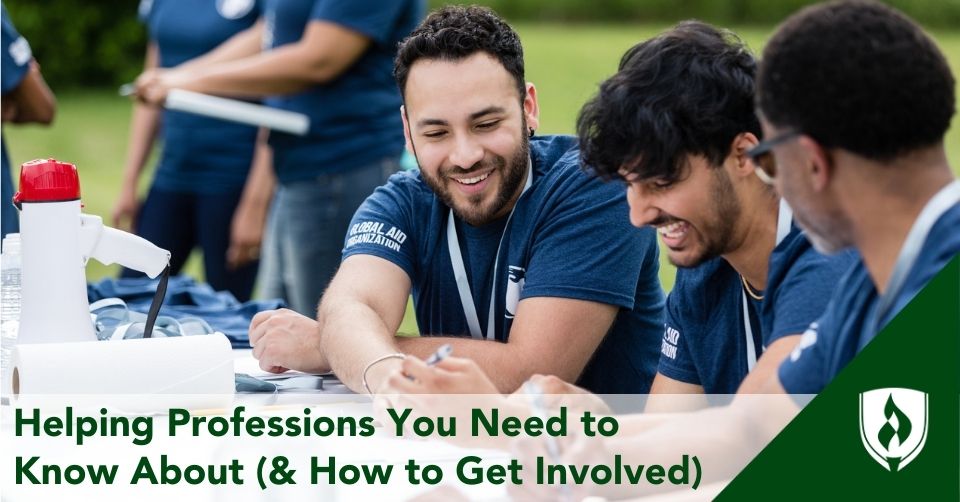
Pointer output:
x,y
407,181
9,30
405,187
944,237
705,275
941,245
556,162
5,18
795,255
554,153
853,291
697,289
146,9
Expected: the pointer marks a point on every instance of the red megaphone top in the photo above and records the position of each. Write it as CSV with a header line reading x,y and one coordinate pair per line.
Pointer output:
x,y
47,180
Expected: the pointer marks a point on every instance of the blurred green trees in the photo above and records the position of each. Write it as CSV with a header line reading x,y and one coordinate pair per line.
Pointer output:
x,y
82,43
931,13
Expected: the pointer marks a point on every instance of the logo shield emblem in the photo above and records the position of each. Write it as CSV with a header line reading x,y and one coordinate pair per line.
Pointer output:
x,y
893,425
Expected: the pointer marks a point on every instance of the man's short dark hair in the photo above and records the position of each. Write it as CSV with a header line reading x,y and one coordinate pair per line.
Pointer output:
x,y
688,91
857,75
455,32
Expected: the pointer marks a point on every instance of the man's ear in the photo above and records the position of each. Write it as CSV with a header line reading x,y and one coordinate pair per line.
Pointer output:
x,y
531,109
742,143
408,143
818,163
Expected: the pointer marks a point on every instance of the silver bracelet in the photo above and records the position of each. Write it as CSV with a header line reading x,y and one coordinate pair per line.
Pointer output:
x,y
375,361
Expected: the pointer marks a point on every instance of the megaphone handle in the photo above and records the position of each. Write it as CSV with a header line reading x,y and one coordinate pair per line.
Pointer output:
x,y
157,302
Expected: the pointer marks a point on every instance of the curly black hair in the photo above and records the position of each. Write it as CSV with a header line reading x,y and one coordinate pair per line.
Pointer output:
x,y
857,75
688,91
456,32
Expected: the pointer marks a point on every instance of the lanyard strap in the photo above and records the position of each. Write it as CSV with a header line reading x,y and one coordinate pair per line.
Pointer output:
x,y
784,221
940,203
460,270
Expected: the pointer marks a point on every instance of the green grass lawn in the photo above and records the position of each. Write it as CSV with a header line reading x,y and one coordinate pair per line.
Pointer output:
x,y
565,62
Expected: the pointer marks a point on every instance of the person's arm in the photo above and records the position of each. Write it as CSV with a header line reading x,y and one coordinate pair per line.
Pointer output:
x,y
676,386
768,364
247,43
358,318
250,217
144,124
365,303
31,101
555,336
324,52
663,384
671,395
356,321
724,439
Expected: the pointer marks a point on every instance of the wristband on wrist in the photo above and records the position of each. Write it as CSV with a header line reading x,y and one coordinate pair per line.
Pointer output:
x,y
366,387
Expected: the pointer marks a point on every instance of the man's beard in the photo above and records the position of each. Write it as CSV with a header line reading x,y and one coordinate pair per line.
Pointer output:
x,y
474,211
716,235
824,237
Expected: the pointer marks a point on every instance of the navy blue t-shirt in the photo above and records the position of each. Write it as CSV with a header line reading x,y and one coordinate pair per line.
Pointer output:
x,y
354,119
705,342
569,237
200,154
16,62
850,321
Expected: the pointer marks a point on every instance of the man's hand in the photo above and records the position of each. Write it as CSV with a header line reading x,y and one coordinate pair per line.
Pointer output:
x,y
246,234
152,86
454,388
9,110
453,375
575,450
125,210
283,339
558,393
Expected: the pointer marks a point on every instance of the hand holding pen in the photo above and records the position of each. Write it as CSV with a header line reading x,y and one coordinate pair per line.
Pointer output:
x,y
535,394
441,373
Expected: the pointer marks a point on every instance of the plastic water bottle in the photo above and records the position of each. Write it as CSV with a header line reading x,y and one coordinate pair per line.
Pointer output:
x,y
9,305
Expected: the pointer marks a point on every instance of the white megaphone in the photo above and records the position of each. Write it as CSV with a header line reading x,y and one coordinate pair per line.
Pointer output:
x,y
56,242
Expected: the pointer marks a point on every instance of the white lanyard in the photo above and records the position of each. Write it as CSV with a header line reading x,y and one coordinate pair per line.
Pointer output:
x,y
784,219
460,271
940,203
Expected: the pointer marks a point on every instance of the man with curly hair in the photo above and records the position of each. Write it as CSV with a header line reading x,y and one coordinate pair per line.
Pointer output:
x,y
675,124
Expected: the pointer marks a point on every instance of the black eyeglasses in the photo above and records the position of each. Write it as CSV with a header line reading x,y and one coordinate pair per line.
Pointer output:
x,y
762,156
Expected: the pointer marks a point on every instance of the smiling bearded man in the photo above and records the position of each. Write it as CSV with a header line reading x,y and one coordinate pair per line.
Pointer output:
x,y
515,256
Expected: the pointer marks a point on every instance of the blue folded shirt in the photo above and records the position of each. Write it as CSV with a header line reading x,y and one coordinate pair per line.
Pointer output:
x,y
186,299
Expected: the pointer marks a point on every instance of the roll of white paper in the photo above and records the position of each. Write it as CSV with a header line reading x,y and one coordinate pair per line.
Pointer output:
x,y
143,374
237,111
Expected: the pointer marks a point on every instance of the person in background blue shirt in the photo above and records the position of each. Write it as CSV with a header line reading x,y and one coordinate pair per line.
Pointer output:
x,y
330,60
515,256
195,196
26,98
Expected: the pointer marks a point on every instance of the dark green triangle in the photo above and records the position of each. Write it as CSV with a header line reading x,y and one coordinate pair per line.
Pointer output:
x,y
820,453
